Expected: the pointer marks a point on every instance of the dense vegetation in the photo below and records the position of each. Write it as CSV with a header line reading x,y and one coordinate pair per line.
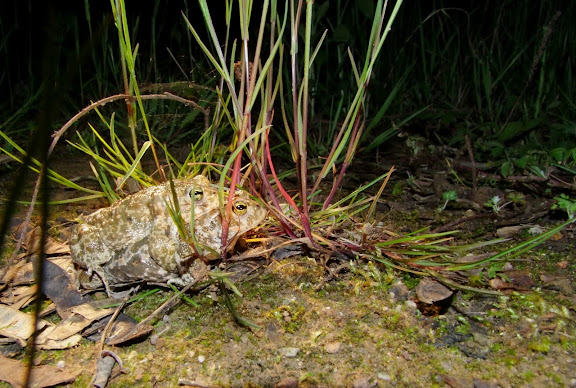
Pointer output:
x,y
497,72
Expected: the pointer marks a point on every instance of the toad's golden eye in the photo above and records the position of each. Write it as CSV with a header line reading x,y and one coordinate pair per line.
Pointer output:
x,y
196,194
240,208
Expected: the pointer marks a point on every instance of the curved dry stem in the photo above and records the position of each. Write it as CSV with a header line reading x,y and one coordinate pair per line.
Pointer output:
x,y
165,96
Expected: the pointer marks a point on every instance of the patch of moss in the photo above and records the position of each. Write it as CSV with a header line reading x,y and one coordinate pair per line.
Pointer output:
x,y
463,327
410,281
289,317
540,344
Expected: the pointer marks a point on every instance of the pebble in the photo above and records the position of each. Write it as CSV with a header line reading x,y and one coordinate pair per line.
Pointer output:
x,y
332,347
289,351
411,305
288,382
399,291
384,376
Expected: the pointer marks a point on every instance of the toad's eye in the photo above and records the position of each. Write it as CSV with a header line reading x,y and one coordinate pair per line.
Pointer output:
x,y
196,194
240,208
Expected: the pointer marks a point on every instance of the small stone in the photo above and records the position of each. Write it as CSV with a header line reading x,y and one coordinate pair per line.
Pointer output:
x,y
399,291
364,382
562,264
288,382
411,305
384,376
139,373
507,267
332,347
484,384
201,359
289,351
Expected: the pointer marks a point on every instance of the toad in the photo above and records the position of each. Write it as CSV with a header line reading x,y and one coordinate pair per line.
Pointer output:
x,y
136,238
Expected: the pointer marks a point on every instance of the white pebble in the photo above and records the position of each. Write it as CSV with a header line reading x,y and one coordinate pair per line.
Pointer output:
x,y
384,376
289,351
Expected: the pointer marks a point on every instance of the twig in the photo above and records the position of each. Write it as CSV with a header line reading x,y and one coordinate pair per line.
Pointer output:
x,y
473,162
164,305
451,225
111,321
166,96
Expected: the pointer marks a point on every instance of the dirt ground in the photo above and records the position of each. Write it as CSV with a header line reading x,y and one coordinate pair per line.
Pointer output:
x,y
346,321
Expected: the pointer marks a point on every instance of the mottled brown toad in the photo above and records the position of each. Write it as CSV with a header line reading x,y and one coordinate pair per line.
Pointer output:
x,y
136,239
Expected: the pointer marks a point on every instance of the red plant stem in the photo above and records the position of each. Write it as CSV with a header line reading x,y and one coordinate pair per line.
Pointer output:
x,y
299,145
304,221
234,178
302,149
347,160
267,187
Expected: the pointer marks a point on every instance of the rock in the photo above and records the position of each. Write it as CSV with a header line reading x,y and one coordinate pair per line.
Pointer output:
x,y
430,291
364,382
287,382
399,291
289,351
332,347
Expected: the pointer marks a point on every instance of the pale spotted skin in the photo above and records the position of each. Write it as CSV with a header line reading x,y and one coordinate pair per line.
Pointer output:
x,y
136,238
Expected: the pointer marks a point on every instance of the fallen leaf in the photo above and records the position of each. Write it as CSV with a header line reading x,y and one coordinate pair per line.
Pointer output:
x,y
430,291
51,246
47,343
18,325
509,231
82,316
14,373
21,296
15,269
519,281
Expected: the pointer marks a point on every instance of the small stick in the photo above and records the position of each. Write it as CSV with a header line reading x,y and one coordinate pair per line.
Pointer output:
x,y
474,171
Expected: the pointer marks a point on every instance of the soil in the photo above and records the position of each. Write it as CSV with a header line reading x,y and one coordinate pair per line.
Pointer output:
x,y
348,321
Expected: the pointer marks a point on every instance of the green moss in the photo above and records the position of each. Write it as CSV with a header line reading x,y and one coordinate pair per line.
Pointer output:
x,y
540,344
289,317
496,347
464,326
528,375
410,281
568,344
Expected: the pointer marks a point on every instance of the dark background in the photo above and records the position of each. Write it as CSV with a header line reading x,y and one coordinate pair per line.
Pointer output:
x,y
434,47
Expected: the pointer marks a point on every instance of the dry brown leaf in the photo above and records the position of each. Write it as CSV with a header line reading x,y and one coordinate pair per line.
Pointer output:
x,y
20,296
17,325
14,372
51,246
54,338
430,291
13,271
